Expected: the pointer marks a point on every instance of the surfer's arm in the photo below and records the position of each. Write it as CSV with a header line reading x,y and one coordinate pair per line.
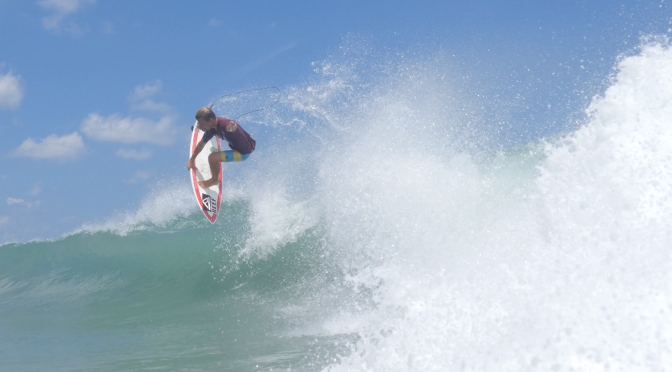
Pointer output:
x,y
197,150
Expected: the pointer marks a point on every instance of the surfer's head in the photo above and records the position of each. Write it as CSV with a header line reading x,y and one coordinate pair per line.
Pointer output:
x,y
206,118
205,113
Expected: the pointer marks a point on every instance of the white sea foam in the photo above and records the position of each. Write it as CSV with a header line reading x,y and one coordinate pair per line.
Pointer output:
x,y
167,201
276,221
510,267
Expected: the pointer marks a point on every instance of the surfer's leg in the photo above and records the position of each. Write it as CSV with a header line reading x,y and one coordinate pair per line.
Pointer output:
x,y
213,159
231,156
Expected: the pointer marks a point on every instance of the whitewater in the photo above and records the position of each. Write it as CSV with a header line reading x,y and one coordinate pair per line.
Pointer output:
x,y
391,231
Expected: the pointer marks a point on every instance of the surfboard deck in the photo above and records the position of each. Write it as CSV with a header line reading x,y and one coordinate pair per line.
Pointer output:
x,y
208,198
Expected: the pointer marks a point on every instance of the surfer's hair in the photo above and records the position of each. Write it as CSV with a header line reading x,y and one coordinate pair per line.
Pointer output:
x,y
205,113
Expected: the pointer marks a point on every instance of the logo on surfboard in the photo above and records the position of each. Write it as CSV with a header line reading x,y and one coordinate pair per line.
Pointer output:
x,y
209,204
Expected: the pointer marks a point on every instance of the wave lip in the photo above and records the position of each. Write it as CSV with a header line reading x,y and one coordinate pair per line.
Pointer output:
x,y
168,201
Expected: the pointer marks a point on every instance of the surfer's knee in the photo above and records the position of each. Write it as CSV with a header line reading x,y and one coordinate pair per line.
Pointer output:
x,y
214,158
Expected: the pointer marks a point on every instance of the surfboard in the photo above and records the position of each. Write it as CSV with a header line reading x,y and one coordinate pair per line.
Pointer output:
x,y
208,198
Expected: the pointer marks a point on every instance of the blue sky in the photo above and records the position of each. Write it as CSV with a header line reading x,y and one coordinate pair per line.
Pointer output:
x,y
96,96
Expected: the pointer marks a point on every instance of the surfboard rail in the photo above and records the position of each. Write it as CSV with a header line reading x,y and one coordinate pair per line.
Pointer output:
x,y
209,198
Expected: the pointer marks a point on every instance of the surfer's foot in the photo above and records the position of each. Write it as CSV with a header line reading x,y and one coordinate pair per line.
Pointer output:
x,y
207,183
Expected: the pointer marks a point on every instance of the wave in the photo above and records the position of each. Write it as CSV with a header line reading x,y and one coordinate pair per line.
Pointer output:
x,y
568,269
394,232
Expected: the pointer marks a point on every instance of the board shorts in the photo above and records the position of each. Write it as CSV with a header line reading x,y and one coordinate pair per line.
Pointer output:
x,y
232,155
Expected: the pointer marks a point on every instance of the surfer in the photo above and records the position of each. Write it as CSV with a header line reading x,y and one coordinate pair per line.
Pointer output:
x,y
239,141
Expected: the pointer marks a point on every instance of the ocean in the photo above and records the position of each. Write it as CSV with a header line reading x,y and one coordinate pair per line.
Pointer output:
x,y
395,233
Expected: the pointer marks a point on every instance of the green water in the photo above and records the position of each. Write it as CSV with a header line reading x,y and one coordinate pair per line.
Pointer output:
x,y
177,297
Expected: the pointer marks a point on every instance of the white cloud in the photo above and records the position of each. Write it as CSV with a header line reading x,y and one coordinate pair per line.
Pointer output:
x,y
61,8
145,91
142,98
140,176
35,190
4,220
134,154
53,147
64,6
11,90
11,201
214,22
114,128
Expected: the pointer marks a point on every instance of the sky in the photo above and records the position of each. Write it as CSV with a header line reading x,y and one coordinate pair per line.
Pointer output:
x,y
97,96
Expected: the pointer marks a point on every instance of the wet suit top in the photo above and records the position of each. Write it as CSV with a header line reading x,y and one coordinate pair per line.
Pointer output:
x,y
238,140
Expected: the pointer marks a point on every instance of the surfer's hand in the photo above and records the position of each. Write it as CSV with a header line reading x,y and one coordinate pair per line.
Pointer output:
x,y
190,164
232,126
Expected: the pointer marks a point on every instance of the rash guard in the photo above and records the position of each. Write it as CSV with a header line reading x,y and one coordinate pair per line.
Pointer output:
x,y
238,140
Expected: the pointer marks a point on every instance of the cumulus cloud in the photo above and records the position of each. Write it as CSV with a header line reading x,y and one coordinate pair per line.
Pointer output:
x,y
64,6
61,9
114,128
53,147
11,90
35,190
134,154
12,201
142,97
145,91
